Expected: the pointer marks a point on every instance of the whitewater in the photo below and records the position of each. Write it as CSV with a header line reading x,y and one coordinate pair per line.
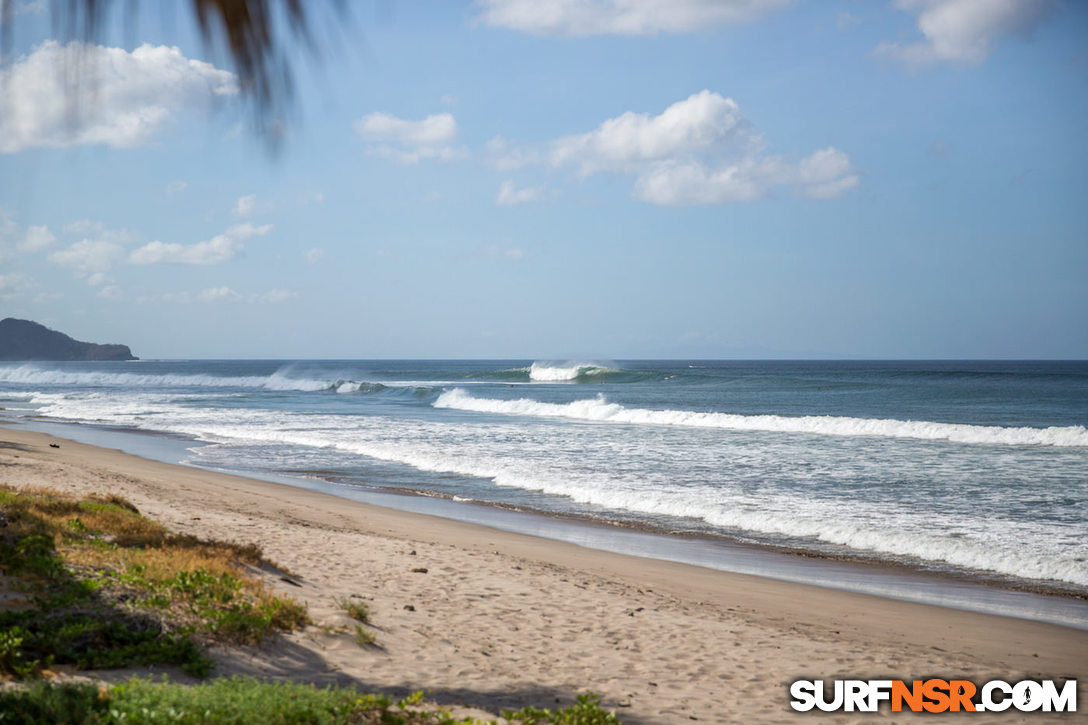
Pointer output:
x,y
600,409
974,468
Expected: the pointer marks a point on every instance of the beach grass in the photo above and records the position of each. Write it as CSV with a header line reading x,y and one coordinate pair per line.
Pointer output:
x,y
97,585
90,583
243,700
364,637
356,609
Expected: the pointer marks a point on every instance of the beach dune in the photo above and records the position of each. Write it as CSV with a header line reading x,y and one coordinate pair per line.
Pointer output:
x,y
491,619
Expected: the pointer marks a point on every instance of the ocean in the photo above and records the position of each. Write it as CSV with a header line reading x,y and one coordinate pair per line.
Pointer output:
x,y
974,469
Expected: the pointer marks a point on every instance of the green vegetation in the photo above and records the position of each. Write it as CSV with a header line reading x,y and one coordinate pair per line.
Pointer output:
x,y
364,637
360,612
356,609
104,587
240,700
585,711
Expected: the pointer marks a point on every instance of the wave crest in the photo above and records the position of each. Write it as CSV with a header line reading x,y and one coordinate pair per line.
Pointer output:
x,y
599,409
278,381
551,373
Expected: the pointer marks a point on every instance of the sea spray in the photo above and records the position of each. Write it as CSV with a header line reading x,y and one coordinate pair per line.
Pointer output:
x,y
566,372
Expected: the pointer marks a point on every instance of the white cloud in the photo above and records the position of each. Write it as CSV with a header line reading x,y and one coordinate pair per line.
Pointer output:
x,y
963,31
245,205
248,231
699,123
435,129
91,257
111,292
506,158
14,285
98,230
218,294
36,239
88,256
618,17
691,183
409,142
701,150
176,187
29,240
314,255
84,226
215,295
90,94
8,226
509,195
824,174
220,248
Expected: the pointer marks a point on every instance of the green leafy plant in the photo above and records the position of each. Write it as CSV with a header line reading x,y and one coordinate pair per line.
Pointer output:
x,y
12,656
586,710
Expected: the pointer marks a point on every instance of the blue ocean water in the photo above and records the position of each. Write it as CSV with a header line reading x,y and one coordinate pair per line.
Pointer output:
x,y
975,467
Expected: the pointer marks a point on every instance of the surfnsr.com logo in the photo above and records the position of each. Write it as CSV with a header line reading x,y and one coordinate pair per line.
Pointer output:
x,y
934,695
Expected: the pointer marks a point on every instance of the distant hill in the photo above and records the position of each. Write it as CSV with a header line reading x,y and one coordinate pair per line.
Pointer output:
x,y
26,340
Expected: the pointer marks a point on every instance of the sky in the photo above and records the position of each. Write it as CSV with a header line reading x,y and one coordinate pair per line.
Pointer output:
x,y
579,179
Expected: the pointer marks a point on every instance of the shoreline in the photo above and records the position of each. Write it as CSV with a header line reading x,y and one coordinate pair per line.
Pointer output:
x,y
955,588
502,616
860,560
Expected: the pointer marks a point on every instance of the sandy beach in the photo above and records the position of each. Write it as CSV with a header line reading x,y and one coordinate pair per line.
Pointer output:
x,y
491,619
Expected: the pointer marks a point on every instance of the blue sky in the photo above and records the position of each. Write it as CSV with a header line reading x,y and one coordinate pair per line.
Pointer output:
x,y
592,179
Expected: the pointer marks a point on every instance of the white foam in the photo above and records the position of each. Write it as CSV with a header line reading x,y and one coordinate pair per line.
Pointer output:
x,y
993,546
599,409
510,455
550,373
32,375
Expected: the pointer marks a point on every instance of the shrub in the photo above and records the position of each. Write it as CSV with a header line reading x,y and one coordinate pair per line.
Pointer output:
x,y
243,700
586,710
75,704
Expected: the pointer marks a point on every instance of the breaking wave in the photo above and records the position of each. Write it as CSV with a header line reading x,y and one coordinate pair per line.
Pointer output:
x,y
552,373
31,375
599,409
870,527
